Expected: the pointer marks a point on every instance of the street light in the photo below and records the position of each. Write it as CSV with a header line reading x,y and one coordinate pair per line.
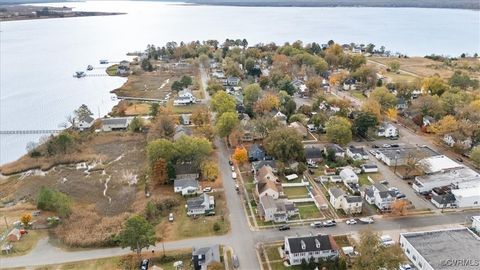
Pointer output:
x,y
396,159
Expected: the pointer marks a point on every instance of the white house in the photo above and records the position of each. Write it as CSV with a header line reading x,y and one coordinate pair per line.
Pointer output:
x,y
451,140
348,176
186,186
369,168
387,130
276,210
379,195
349,204
184,97
282,118
316,247
84,123
357,153
115,123
201,205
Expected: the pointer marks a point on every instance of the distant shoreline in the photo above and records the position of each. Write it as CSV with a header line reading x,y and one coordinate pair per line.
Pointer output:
x,y
445,4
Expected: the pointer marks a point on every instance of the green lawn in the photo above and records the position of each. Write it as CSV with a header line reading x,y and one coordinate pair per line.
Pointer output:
x,y
363,181
186,108
272,252
308,210
295,192
342,240
112,70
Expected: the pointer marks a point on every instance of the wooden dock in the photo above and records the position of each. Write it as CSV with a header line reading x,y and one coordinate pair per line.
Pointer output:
x,y
36,131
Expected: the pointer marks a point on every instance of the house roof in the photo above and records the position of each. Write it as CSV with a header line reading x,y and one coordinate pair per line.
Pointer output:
x,y
299,128
312,151
185,168
265,185
353,199
87,119
335,147
184,183
255,149
264,174
259,164
404,152
123,121
336,192
369,166
444,199
357,150
436,246
267,202
197,202
311,243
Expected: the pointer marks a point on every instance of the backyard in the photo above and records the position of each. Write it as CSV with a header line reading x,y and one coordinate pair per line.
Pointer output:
x,y
295,192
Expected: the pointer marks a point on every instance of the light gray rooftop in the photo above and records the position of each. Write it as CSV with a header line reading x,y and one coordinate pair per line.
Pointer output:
x,y
453,244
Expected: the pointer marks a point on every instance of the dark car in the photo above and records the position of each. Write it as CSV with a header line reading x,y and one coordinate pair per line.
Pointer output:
x,y
284,228
460,159
375,146
230,162
144,264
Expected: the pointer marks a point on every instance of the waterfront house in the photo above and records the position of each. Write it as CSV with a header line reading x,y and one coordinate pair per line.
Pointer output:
x,y
84,123
115,123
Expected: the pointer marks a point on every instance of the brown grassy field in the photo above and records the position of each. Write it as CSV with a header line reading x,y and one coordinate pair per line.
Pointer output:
x,y
424,67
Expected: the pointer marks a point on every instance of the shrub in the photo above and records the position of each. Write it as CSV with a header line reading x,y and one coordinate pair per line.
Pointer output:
x,y
216,227
52,200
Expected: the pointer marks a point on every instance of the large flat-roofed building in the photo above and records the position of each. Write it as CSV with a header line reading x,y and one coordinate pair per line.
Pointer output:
x,y
450,249
460,176
400,155
438,164
467,197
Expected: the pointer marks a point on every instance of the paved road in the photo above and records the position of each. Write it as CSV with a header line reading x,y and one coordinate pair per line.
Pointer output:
x,y
240,238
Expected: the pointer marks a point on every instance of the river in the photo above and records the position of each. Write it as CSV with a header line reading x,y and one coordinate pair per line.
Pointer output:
x,y
38,57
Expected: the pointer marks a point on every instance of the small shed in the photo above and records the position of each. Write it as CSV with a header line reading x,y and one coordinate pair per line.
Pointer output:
x,y
291,177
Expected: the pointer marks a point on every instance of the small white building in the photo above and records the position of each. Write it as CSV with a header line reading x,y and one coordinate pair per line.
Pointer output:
x,y
387,130
357,153
348,176
115,123
84,123
369,168
184,97
467,197
186,186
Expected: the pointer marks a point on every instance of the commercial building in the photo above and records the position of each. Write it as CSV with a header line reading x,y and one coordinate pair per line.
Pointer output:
x,y
398,156
450,249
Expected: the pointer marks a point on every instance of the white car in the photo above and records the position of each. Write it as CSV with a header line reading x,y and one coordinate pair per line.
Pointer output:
x,y
351,222
367,220
234,175
170,217
387,240
316,224
207,189
405,267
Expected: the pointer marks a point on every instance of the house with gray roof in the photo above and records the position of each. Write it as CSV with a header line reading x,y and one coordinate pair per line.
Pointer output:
x,y
357,153
255,153
340,200
276,210
313,153
84,123
181,131
201,205
186,186
316,247
115,123
202,257
337,149
379,195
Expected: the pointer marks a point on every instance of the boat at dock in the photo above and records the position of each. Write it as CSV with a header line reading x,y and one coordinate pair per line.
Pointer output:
x,y
79,74
103,62
89,67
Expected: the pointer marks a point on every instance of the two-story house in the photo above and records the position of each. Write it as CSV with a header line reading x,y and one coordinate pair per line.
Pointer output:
x,y
316,247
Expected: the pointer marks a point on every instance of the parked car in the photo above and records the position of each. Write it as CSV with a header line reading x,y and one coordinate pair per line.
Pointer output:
x,y
233,168
367,220
144,264
316,224
460,159
387,240
405,267
230,162
170,217
284,228
211,213
329,223
400,196
207,189
234,175
384,182
351,222
386,145
235,261
36,213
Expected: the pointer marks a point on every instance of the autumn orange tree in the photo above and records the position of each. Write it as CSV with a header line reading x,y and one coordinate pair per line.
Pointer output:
x,y
25,219
209,169
159,171
392,114
267,103
399,207
240,155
